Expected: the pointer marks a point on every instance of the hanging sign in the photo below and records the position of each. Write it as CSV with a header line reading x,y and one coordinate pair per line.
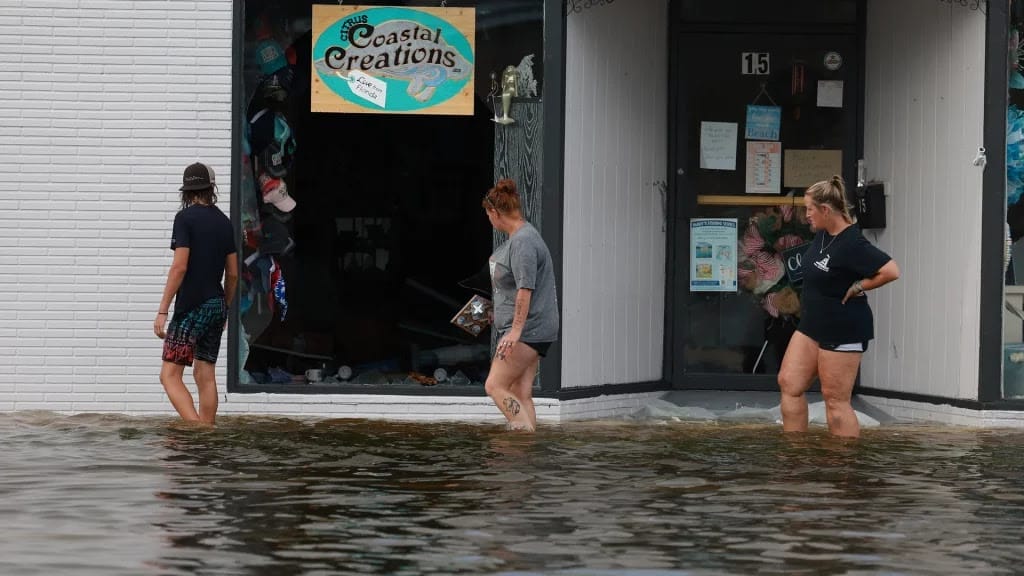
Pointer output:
x,y
388,59
793,259
763,122
713,243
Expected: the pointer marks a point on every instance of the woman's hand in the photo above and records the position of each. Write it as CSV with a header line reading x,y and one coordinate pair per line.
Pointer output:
x,y
158,326
855,290
507,344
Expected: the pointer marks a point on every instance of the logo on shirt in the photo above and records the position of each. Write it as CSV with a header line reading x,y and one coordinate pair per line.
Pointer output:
x,y
823,264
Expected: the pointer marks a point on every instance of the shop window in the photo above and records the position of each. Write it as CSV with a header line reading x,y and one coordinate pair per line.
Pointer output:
x,y
363,234
1013,310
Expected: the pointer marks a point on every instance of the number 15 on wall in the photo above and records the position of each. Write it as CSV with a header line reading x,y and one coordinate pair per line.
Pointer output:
x,y
757,63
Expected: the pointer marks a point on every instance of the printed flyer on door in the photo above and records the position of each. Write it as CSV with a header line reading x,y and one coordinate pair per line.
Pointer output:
x,y
713,244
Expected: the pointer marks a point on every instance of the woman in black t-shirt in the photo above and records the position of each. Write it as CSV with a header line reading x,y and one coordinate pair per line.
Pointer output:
x,y
835,321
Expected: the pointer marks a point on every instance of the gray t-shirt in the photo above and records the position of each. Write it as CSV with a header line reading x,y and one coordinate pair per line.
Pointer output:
x,y
524,262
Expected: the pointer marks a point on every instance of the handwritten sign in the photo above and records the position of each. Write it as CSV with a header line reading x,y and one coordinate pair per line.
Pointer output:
x,y
718,145
805,167
368,88
764,167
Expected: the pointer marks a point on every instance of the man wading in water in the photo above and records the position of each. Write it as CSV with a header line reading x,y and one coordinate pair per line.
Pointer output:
x,y
203,241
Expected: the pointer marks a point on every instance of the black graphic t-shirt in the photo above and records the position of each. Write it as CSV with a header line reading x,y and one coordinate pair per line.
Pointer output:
x,y
209,236
831,265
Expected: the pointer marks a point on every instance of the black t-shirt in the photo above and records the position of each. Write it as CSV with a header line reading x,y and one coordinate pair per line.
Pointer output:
x,y
831,265
209,236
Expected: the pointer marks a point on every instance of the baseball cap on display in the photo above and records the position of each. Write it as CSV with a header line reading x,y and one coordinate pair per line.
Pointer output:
x,y
275,192
270,57
275,237
198,176
272,142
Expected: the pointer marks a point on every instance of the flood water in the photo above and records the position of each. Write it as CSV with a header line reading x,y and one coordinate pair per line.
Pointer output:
x,y
110,495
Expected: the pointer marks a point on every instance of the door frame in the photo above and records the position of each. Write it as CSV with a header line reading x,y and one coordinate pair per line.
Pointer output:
x,y
677,256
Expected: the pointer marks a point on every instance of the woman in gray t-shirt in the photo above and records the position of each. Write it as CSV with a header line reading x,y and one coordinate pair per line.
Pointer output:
x,y
525,307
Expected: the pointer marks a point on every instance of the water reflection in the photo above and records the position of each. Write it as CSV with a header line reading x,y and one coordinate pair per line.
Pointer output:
x,y
110,495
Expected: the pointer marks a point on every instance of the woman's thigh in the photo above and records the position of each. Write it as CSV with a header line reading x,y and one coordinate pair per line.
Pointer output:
x,y
837,372
507,372
524,386
799,365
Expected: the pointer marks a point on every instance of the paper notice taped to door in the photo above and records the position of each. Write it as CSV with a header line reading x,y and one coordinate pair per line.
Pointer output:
x,y
718,145
801,168
830,93
368,88
764,167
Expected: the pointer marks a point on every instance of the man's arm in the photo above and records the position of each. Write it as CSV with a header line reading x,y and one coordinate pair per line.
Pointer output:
x,y
230,277
175,276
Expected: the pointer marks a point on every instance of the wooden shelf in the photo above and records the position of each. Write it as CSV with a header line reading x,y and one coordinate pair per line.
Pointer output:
x,y
749,200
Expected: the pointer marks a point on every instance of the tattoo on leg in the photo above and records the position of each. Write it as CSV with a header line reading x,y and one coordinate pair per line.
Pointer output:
x,y
512,406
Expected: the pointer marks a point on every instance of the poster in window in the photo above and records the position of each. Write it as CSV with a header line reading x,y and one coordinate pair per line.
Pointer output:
x,y
764,167
713,243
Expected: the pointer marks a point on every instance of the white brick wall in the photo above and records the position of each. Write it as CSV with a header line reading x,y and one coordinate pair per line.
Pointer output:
x,y
103,104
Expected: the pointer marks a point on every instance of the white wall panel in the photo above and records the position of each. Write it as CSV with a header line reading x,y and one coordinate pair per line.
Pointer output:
x,y
923,126
615,158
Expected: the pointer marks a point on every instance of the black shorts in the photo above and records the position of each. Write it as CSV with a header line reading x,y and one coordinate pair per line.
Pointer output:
x,y
195,335
857,347
541,347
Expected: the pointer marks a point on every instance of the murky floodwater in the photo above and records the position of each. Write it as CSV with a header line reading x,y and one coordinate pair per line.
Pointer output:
x,y
109,495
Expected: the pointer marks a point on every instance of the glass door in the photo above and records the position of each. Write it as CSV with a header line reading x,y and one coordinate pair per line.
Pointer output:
x,y
759,117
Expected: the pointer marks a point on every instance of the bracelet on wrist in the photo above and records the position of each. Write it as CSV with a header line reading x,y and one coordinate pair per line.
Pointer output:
x,y
161,313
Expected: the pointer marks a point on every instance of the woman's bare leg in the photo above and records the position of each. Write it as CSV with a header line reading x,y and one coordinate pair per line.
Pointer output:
x,y
838,372
523,389
799,366
504,375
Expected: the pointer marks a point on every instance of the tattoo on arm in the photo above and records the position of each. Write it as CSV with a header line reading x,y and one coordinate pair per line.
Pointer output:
x,y
522,308
512,406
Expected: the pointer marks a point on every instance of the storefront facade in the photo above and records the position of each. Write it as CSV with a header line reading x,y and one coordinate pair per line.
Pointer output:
x,y
362,233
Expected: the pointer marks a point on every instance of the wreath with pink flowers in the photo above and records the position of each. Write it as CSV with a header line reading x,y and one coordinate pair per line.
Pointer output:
x,y
761,270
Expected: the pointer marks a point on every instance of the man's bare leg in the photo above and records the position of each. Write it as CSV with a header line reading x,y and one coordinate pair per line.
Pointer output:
x,y
205,375
181,399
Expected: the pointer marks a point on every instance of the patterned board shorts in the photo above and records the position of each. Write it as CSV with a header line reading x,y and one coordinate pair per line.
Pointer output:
x,y
196,333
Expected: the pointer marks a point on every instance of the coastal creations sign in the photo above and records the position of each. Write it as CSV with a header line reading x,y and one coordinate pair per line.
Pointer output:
x,y
383,59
